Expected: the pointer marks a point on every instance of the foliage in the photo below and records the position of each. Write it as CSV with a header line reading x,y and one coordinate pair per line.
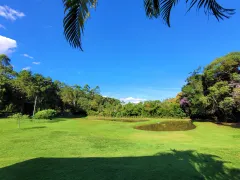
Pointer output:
x,y
45,114
4,60
19,116
211,93
78,11
214,93
18,92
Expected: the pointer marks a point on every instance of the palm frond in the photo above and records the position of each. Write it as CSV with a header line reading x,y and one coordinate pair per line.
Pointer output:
x,y
152,8
166,8
212,7
163,8
155,8
76,14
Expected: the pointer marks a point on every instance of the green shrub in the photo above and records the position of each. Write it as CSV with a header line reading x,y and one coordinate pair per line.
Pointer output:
x,y
19,116
45,114
92,113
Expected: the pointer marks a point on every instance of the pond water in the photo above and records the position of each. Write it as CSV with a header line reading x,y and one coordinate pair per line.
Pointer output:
x,y
168,126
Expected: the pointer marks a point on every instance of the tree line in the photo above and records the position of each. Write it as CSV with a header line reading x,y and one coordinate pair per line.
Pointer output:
x,y
214,92
210,93
21,91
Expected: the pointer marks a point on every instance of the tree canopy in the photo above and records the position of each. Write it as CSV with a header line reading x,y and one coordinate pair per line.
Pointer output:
x,y
215,92
18,92
210,93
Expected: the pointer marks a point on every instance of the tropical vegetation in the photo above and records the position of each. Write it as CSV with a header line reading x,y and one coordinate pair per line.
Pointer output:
x,y
28,93
212,93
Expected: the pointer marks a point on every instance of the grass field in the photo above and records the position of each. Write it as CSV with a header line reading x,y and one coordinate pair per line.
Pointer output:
x,y
95,149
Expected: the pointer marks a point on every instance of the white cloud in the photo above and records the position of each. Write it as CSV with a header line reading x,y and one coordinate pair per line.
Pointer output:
x,y
10,13
26,68
132,100
7,45
2,26
27,56
36,63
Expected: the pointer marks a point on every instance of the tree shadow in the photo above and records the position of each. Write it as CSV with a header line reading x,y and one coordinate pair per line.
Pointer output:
x,y
233,125
173,165
36,127
236,125
55,120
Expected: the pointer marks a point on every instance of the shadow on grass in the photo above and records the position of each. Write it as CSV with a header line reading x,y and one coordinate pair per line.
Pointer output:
x,y
129,120
236,125
36,127
55,120
233,125
173,165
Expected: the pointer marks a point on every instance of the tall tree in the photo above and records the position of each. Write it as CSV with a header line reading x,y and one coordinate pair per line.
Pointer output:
x,y
4,60
78,11
215,92
6,75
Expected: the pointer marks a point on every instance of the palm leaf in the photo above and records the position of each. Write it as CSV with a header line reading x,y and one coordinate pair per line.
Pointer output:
x,y
76,14
212,7
166,8
155,8
152,8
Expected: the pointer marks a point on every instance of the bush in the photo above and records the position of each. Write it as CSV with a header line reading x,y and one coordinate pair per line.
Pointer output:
x,y
92,113
45,114
18,116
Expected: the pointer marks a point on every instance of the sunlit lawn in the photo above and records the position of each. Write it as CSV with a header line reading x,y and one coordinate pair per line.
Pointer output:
x,y
98,149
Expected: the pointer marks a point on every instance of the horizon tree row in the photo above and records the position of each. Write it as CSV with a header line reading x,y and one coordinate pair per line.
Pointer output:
x,y
21,91
212,93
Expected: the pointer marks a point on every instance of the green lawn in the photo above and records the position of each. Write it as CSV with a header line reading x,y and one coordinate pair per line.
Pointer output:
x,y
98,149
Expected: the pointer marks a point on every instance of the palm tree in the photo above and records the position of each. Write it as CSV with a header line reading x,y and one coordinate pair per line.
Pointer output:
x,y
4,60
5,67
77,12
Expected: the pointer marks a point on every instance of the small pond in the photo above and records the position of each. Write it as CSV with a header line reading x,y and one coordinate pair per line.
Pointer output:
x,y
168,126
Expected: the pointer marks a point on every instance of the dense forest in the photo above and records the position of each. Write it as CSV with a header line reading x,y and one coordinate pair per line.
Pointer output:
x,y
20,90
214,92
211,93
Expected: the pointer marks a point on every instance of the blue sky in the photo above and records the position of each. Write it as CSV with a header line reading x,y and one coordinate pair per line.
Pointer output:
x,y
125,53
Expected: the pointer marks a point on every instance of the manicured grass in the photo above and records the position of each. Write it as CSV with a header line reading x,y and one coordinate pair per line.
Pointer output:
x,y
93,149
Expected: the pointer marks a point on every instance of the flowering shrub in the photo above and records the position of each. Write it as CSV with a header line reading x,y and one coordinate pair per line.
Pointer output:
x,y
184,102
